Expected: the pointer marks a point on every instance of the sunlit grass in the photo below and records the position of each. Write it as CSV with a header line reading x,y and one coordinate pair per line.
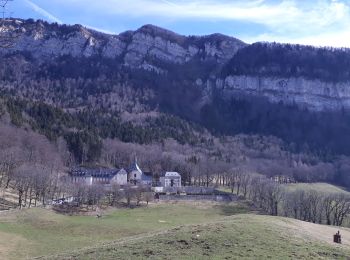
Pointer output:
x,y
42,232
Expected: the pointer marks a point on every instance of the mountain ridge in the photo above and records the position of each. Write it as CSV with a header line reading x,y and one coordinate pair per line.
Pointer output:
x,y
215,81
40,33
313,78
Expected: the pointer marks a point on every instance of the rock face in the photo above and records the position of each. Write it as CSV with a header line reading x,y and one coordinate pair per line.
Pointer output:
x,y
160,51
313,94
46,41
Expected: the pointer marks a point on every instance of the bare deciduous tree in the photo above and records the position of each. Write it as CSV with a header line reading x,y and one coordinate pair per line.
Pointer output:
x,y
129,193
148,196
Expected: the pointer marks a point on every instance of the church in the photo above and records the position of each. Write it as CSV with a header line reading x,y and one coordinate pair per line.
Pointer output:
x,y
133,175
136,176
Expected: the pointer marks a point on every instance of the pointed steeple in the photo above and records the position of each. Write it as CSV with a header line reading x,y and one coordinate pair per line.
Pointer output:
x,y
135,166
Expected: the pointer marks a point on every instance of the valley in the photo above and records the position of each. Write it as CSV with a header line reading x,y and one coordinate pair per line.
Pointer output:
x,y
152,144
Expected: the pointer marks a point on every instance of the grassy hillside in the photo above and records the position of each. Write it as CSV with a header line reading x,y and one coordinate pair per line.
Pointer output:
x,y
166,231
320,186
236,237
36,232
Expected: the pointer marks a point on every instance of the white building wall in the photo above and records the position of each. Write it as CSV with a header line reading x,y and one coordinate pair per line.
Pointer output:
x,y
167,182
120,179
89,180
135,175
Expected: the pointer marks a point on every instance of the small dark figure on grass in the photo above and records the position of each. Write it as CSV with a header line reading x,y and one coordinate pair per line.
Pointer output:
x,y
337,238
98,212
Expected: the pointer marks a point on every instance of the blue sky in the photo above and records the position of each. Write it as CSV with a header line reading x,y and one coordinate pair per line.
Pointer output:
x,y
314,22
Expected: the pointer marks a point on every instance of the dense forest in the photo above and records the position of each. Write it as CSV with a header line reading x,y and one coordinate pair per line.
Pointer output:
x,y
84,130
288,60
322,133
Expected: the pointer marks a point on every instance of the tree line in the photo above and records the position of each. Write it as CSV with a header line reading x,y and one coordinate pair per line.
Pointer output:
x,y
31,166
275,199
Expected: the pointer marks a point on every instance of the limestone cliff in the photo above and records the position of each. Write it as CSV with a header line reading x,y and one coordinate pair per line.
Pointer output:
x,y
160,51
313,94
47,41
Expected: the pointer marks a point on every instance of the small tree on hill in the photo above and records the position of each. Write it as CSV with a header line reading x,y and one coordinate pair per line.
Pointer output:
x,y
148,196
129,193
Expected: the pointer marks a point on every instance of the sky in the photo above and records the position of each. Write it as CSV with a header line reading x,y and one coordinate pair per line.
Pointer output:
x,y
312,22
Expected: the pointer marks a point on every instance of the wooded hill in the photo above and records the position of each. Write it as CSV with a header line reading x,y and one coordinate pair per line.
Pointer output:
x,y
146,86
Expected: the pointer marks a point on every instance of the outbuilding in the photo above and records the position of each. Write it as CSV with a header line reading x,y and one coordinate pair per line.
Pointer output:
x,y
171,179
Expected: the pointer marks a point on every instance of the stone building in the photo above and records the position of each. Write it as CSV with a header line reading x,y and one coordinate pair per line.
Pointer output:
x,y
170,179
133,175
99,176
136,176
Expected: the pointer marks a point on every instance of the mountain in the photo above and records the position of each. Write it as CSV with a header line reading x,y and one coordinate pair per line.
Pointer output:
x,y
315,78
46,41
216,82
74,52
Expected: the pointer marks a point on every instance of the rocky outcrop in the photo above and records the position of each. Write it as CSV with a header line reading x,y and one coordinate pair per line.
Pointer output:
x,y
167,46
46,41
313,94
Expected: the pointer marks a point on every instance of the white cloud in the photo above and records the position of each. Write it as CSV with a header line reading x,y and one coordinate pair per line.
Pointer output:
x,y
287,18
334,39
43,12
170,3
287,12
99,29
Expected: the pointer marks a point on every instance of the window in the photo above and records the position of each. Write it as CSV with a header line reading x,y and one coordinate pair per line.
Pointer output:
x,y
135,175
